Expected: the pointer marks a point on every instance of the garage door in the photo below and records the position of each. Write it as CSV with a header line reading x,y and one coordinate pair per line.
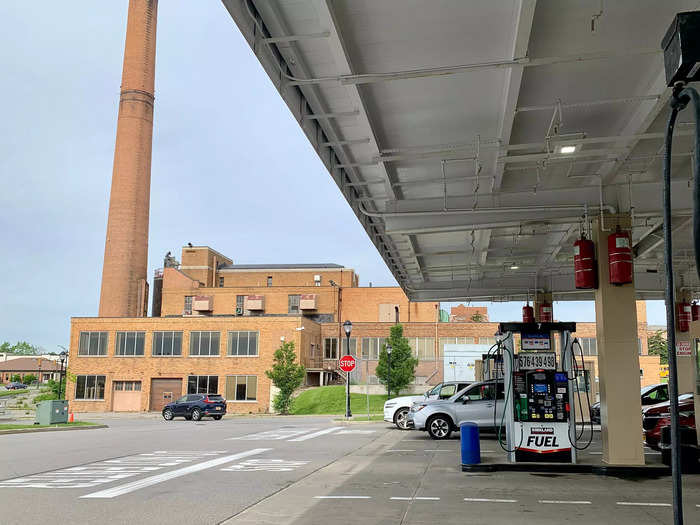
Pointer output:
x,y
126,396
163,391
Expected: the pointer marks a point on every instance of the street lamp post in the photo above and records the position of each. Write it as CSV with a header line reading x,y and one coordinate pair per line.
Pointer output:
x,y
347,326
62,356
388,372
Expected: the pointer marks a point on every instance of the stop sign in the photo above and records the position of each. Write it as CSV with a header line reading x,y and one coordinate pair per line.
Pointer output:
x,y
347,363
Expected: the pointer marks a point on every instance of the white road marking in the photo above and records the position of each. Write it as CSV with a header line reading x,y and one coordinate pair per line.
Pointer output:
x,y
273,435
401,450
643,504
342,497
564,502
356,432
316,434
437,450
268,465
107,471
416,498
488,500
165,476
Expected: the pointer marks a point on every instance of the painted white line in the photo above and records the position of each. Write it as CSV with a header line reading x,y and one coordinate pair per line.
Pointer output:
x,y
159,478
564,502
316,434
342,497
361,432
488,500
417,498
437,450
401,450
643,504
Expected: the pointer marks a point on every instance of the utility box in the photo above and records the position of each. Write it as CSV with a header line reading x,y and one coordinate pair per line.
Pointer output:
x,y
681,46
51,412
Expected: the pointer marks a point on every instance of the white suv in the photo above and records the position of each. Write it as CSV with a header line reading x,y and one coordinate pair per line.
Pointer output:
x,y
396,409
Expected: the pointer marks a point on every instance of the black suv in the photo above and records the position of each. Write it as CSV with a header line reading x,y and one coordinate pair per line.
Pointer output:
x,y
195,407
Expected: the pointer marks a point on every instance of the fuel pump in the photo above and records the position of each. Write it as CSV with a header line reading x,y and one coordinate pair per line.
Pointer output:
x,y
539,418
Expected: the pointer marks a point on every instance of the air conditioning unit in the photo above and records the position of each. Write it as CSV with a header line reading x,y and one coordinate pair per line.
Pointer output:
x,y
254,302
203,303
307,302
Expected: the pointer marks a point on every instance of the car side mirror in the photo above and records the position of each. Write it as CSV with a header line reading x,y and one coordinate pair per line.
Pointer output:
x,y
466,400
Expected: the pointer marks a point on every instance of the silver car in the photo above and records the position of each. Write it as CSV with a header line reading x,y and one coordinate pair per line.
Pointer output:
x,y
475,403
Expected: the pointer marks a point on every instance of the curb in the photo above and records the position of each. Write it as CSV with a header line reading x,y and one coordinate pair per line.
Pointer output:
x,y
49,429
620,471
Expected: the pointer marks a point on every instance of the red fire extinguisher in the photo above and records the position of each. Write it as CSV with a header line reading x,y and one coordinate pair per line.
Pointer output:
x,y
695,311
585,271
545,312
528,313
684,317
620,257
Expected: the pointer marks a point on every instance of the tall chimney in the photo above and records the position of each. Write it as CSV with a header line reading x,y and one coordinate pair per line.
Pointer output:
x,y
124,272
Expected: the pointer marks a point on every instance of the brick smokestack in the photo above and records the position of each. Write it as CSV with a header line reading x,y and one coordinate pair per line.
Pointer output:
x,y
124,286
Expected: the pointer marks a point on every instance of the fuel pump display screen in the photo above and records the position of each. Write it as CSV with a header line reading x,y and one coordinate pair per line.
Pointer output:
x,y
539,388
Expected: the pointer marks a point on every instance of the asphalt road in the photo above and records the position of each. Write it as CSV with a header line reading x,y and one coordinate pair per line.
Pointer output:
x,y
286,471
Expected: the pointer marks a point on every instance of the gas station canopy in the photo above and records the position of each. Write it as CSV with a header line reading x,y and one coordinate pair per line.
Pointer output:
x,y
475,141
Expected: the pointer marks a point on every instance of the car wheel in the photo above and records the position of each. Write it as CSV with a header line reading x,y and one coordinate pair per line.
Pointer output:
x,y
196,414
439,427
168,414
401,418
217,417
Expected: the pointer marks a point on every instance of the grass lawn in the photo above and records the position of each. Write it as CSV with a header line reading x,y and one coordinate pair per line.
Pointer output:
x,y
331,400
5,393
13,426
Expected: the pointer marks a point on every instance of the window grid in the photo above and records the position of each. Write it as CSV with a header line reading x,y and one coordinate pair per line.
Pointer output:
x,y
127,386
241,388
240,304
423,348
90,388
294,304
167,344
188,305
242,343
452,341
371,347
203,384
92,344
204,344
330,348
589,345
353,346
130,344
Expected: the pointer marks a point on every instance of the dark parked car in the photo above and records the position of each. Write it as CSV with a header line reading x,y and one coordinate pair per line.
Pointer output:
x,y
16,386
656,417
651,395
195,407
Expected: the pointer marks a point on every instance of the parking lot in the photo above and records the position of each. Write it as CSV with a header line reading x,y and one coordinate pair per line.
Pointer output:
x,y
295,470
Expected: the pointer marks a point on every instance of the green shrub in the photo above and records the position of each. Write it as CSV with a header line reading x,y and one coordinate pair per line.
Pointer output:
x,y
45,397
29,379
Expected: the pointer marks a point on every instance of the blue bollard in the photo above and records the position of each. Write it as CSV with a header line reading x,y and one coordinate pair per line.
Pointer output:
x,y
471,449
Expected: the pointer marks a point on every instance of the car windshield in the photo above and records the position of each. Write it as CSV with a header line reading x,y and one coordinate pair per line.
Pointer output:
x,y
435,391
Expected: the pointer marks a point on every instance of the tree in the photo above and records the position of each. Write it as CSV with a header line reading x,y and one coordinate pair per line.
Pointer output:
x,y
29,379
16,378
286,375
19,348
478,317
657,346
403,364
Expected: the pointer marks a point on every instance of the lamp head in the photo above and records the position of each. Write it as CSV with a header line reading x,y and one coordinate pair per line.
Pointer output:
x,y
388,349
347,326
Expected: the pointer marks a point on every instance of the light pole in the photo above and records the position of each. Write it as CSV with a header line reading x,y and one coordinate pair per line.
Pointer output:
x,y
388,372
347,326
62,356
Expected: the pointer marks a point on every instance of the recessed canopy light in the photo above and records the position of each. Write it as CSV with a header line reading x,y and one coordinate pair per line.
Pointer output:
x,y
567,149
514,267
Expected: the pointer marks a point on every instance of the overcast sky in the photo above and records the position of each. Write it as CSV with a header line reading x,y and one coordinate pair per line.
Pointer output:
x,y
231,168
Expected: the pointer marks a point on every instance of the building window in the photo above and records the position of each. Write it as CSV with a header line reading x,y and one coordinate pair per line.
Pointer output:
x,y
423,348
330,348
240,303
588,346
221,282
188,305
317,280
353,346
452,341
204,344
242,344
90,388
130,343
487,340
203,385
127,386
241,388
371,346
93,343
167,344
294,304
269,281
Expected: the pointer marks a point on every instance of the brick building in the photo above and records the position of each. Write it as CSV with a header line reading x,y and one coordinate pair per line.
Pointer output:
x,y
216,325
41,368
